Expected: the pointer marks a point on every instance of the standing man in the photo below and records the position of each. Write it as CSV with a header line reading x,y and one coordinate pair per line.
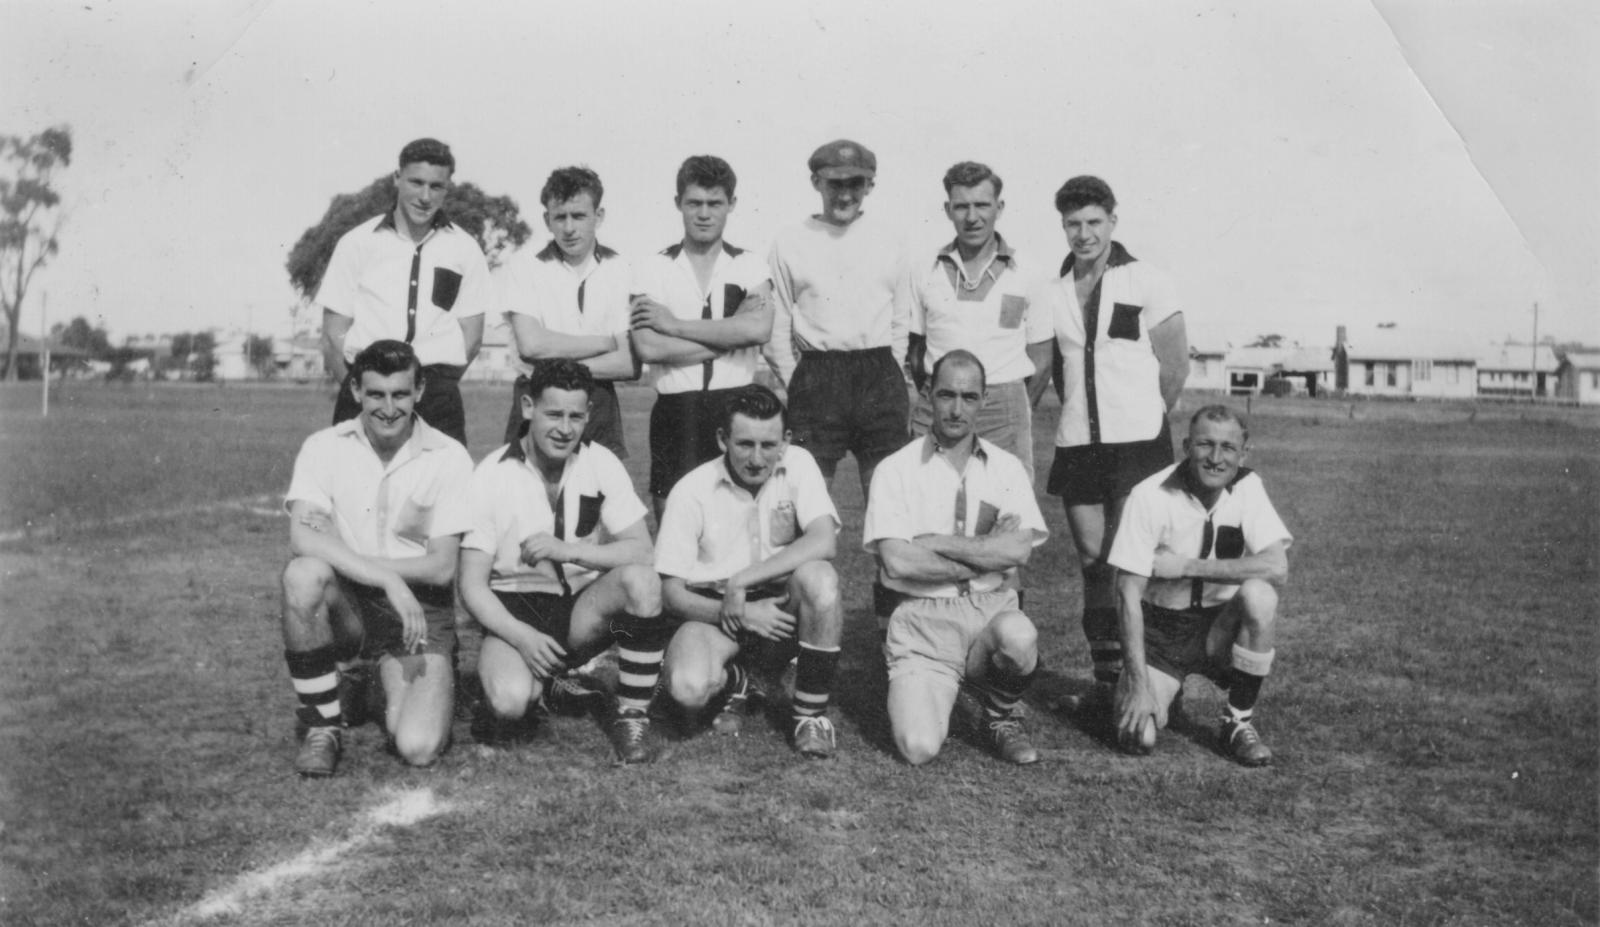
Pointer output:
x,y
1200,556
840,320
951,519
743,552
377,507
558,566
570,300
1125,356
413,276
975,294
701,317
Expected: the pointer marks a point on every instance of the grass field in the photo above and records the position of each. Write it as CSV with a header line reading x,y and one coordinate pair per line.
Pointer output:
x,y
1433,713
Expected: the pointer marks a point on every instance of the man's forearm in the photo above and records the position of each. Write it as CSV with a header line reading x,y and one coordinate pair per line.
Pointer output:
x,y
911,561
1130,616
653,347
688,605
609,556
986,554
1269,565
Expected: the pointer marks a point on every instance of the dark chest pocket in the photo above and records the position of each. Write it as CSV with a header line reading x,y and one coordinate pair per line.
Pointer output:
x,y
1230,542
589,514
446,287
1124,322
732,296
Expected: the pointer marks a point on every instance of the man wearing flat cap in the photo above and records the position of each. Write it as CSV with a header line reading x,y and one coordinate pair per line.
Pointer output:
x,y
841,316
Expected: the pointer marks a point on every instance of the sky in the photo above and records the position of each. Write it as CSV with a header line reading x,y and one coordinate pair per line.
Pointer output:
x,y
1430,163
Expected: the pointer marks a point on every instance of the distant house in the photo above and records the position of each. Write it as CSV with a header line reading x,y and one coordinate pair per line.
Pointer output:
x,y
1208,348
1309,369
298,358
497,357
1578,379
1410,363
1248,368
64,361
1517,370
231,357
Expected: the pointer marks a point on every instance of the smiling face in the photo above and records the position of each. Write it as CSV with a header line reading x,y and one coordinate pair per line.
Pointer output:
x,y
420,189
1089,231
841,197
387,404
705,213
574,223
752,448
555,423
1214,451
974,211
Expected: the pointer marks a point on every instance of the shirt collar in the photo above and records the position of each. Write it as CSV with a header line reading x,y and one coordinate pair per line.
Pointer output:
x,y
386,223
931,447
1002,251
672,251
552,252
1119,256
1181,479
726,478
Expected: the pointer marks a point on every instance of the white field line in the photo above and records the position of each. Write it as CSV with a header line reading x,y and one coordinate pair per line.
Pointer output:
x,y
266,506
403,810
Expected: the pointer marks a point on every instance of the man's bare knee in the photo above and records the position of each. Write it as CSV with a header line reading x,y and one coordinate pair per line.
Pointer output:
x,y
1017,641
818,585
692,690
1258,600
419,748
508,698
641,586
305,582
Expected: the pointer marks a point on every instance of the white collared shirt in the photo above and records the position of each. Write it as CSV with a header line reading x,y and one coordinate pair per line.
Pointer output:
x,y
670,279
992,316
712,528
384,510
1162,512
1116,357
509,503
591,300
837,289
915,491
392,287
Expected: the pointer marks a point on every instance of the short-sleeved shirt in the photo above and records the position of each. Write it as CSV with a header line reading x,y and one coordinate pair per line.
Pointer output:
x,y
509,503
916,491
712,527
1164,512
670,279
1112,380
589,300
992,316
837,288
384,510
392,287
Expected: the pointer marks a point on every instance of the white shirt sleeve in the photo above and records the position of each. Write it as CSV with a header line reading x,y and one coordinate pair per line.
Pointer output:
x,y
479,294
337,291
452,508
678,540
1160,299
811,500
1262,528
888,509
1041,323
779,350
308,482
483,509
1139,532
515,287
622,508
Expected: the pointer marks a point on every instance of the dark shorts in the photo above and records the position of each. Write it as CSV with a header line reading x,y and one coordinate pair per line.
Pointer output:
x,y
849,401
1175,641
440,405
683,434
551,613
1097,474
383,632
605,417
758,652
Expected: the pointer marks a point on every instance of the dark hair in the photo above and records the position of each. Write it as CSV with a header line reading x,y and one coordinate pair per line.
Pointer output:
x,y
386,358
962,358
1219,413
567,182
560,373
970,174
753,401
1084,191
708,172
428,151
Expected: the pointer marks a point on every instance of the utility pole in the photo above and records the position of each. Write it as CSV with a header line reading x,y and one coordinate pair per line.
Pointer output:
x,y
44,352
1533,359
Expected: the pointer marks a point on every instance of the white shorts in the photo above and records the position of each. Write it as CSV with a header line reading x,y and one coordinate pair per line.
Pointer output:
x,y
934,635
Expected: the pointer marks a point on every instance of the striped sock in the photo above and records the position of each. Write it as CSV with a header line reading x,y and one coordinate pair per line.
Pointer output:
x,y
1001,690
1245,677
736,678
1100,627
641,642
813,680
315,676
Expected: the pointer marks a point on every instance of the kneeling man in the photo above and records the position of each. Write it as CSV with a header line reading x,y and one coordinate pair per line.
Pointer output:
x,y
557,564
951,517
743,554
377,508
1200,554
